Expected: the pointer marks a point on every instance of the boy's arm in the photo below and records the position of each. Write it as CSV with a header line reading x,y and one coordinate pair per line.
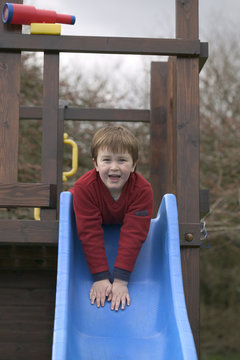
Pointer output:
x,y
90,232
133,233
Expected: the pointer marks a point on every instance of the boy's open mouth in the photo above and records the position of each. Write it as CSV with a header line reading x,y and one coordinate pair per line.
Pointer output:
x,y
113,176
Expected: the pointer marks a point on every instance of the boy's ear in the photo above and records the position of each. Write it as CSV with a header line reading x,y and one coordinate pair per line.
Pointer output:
x,y
134,167
95,164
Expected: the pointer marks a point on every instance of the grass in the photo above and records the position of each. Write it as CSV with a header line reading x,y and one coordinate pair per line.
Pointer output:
x,y
220,357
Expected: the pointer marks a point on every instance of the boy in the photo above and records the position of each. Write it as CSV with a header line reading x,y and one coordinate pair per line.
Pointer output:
x,y
112,193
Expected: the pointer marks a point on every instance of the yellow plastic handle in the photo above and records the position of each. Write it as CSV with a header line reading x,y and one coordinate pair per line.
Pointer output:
x,y
67,174
37,214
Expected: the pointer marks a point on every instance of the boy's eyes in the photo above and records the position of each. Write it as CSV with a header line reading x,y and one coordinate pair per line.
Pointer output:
x,y
109,160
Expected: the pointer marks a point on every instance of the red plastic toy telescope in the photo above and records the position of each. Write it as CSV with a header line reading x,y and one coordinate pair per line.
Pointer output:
x,y
26,14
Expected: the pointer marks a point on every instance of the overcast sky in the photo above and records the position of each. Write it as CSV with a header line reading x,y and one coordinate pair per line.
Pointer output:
x,y
136,18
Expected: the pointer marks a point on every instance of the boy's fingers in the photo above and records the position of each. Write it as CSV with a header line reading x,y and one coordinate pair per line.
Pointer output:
x,y
92,296
116,304
123,303
108,290
102,300
128,299
98,301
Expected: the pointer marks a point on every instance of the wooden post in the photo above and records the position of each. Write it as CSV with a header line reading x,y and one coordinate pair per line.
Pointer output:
x,y
51,128
9,108
158,131
187,154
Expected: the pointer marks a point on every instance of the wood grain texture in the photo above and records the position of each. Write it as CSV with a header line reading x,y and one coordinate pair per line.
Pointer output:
x,y
28,195
100,45
28,232
158,132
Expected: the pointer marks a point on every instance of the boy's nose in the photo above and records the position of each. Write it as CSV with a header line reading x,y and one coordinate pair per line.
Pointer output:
x,y
114,165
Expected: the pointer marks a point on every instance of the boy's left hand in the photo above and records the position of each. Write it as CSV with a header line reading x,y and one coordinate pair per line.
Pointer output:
x,y
119,295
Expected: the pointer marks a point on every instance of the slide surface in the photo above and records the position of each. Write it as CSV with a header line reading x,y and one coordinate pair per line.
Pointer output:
x,y
155,326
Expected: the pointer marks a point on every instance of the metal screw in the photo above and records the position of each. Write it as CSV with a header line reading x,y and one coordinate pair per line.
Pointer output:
x,y
189,237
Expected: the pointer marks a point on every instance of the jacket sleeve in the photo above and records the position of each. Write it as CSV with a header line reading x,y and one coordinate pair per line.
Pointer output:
x,y
89,228
134,230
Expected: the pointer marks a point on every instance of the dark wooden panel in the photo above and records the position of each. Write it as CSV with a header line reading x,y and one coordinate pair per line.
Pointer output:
x,y
28,231
28,195
158,131
27,257
102,45
27,305
27,350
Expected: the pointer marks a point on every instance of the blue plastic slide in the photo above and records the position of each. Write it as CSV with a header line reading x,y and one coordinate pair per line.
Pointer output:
x,y
154,327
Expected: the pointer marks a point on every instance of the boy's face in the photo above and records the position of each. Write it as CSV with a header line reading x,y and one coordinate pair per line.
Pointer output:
x,y
114,169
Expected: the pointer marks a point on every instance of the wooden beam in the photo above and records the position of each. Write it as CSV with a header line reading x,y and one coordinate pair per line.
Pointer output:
x,y
9,105
187,155
50,127
100,45
91,114
28,195
158,132
28,232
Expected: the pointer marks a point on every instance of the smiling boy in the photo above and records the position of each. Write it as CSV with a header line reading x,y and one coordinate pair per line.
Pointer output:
x,y
112,193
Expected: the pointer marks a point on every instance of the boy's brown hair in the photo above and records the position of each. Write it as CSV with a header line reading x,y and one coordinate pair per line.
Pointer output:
x,y
117,139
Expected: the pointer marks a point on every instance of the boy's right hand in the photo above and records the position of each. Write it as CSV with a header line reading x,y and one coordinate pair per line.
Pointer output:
x,y
99,291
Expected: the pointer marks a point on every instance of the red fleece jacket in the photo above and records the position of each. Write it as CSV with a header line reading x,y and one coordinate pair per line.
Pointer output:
x,y
94,206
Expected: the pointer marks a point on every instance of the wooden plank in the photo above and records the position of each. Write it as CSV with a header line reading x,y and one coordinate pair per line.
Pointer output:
x,y
22,351
26,313
28,231
50,126
91,114
9,106
125,115
171,127
158,132
25,257
27,279
191,283
28,195
187,19
101,45
188,140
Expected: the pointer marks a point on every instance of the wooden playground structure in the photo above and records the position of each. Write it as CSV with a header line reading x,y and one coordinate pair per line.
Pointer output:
x,y
28,248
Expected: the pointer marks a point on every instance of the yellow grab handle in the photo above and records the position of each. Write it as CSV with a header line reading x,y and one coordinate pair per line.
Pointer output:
x,y
36,213
67,174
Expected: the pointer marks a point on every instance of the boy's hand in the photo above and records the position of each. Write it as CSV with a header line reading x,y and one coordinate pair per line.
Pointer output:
x,y
99,291
119,295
